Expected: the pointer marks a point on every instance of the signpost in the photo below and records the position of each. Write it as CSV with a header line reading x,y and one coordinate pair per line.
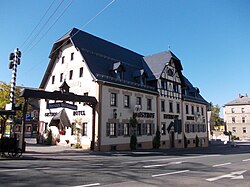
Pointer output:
x,y
61,105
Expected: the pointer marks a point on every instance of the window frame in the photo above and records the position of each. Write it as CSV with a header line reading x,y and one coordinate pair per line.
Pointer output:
x,y
70,74
113,99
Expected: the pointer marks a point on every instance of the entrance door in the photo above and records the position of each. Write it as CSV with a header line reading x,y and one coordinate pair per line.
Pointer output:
x,y
171,138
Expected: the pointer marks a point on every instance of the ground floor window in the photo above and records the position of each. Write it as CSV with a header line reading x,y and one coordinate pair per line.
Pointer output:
x,y
244,130
126,129
84,129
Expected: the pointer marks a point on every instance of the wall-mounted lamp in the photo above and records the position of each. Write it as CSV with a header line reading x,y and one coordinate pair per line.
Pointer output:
x,y
114,113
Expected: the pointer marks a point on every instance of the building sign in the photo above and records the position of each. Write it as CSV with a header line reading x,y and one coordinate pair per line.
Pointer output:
x,y
169,116
144,115
61,105
49,114
79,113
190,117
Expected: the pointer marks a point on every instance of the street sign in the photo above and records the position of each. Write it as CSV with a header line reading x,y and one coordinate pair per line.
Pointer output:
x,y
61,105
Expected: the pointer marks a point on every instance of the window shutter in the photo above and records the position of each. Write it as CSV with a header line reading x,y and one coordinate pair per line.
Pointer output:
x,y
144,129
108,129
152,128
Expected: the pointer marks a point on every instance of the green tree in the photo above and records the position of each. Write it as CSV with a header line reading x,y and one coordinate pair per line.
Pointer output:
x,y
215,110
5,96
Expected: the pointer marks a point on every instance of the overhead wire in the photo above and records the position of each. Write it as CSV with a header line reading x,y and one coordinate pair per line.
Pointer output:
x,y
83,26
44,25
50,27
31,33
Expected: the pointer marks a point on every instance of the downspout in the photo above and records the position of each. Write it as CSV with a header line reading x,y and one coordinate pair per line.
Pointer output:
x,y
99,116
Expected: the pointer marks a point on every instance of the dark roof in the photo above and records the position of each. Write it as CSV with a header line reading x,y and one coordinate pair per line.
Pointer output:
x,y
241,100
157,62
100,55
191,93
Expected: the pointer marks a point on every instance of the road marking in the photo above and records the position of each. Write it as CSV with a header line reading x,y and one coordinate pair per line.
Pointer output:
x,y
159,165
86,185
168,159
218,165
232,175
245,160
7,170
171,173
45,168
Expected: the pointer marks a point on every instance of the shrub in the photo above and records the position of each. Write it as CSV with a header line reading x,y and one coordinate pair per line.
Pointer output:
x,y
157,140
133,142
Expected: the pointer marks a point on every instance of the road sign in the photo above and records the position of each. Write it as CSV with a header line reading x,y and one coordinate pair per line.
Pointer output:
x,y
61,105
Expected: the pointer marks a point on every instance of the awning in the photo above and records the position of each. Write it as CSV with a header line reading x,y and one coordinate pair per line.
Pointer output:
x,y
60,120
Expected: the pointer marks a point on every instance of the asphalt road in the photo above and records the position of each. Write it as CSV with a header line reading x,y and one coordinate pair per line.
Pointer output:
x,y
213,166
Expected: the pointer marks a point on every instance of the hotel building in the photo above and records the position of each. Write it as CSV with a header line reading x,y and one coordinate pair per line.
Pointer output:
x,y
126,85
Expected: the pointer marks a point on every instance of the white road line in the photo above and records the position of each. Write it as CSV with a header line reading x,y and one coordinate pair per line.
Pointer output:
x,y
218,165
7,170
159,165
167,159
245,160
86,185
171,173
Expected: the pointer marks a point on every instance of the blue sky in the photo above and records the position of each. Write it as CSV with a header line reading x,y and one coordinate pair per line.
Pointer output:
x,y
210,37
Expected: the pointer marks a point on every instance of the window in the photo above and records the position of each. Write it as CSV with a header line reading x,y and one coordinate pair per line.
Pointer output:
x,y
70,74
187,109
198,109
149,104
242,110
192,109
232,110
149,128
178,108
126,101
233,119
202,111
72,56
176,88
234,129
81,72
126,129
170,106
53,79
113,99
61,77
244,130
163,85
84,129
138,101
63,59
112,130
163,128
86,93
163,106
243,120
139,129
187,128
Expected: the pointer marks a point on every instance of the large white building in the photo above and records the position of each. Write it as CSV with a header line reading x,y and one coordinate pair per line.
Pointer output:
x,y
237,117
125,84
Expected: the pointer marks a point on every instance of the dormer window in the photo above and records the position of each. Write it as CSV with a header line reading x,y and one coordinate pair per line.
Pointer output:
x,y
118,70
140,76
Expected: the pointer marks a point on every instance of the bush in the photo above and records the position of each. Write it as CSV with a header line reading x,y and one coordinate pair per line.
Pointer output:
x,y
49,139
133,142
157,140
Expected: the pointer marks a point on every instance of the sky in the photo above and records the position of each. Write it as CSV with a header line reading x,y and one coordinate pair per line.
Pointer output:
x,y
210,37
